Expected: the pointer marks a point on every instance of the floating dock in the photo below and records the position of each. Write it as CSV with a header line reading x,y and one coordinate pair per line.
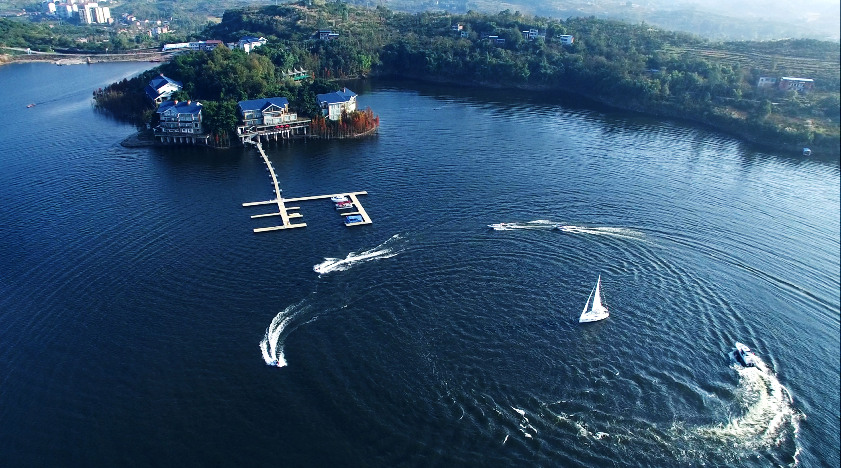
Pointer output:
x,y
287,213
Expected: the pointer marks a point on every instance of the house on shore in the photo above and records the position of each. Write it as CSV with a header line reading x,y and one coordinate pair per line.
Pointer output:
x,y
566,39
161,88
180,122
333,104
269,118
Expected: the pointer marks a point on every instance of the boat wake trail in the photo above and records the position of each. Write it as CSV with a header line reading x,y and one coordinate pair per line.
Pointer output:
x,y
540,224
525,426
546,225
387,249
767,417
765,422
624,233
272,343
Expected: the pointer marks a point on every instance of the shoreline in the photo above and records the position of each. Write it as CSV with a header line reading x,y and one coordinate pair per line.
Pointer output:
x,y
145,139
83,59
778,143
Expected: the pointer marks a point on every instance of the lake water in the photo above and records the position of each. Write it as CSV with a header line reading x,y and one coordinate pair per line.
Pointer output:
x,y
139,313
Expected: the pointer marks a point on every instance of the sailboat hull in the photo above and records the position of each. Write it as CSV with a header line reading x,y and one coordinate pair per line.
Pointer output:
x,y
586,318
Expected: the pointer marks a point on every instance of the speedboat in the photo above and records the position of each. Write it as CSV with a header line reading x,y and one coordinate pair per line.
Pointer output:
x,y
502,226
344,205
339,198
745,356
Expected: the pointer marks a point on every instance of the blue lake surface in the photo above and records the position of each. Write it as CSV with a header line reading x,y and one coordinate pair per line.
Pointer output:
x,y
139,313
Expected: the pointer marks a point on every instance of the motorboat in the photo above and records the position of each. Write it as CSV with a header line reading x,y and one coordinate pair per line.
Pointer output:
x,y
353,219
344,205
339,198
502,226
745,355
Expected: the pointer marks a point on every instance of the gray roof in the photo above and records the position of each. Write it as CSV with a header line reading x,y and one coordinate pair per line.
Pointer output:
x,y
260,104
342,95
189,107
155,84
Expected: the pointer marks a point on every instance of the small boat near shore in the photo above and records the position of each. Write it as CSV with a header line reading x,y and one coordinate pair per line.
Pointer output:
x,y
339,199
345,205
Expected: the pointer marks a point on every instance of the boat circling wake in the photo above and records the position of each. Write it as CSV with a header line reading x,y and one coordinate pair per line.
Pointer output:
x,y
768,416
272,343
387,249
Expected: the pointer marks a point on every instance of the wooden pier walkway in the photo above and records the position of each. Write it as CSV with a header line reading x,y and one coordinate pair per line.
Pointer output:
x,y
286,213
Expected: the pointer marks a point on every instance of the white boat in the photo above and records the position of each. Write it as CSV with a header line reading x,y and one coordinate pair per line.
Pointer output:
x,y
344,205
339,198
745,356
598,311
503,226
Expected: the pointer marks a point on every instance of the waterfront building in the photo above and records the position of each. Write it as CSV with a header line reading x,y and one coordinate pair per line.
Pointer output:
x,y
333,104
265,111
269,118
180,122
161,88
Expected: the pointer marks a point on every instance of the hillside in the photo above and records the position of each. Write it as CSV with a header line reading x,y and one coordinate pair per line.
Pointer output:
x,y
630,66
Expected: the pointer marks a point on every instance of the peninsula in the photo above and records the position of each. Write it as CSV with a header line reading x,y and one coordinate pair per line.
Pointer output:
x,y
781,94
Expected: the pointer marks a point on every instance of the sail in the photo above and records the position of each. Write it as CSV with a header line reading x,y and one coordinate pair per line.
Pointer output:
x,y
587,304
597,300
598,310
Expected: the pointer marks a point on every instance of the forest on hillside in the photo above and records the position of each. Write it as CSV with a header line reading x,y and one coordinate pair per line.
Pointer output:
x,y
630,66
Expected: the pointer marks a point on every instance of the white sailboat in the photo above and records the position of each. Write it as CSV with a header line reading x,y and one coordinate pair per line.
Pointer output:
x,y
598,311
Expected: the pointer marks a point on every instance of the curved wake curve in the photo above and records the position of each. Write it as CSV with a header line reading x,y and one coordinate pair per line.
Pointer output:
x,y
385,250
768,417
271,346
272,342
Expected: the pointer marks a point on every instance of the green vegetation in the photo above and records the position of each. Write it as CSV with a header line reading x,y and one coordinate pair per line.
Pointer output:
x,y
221,78
630,66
